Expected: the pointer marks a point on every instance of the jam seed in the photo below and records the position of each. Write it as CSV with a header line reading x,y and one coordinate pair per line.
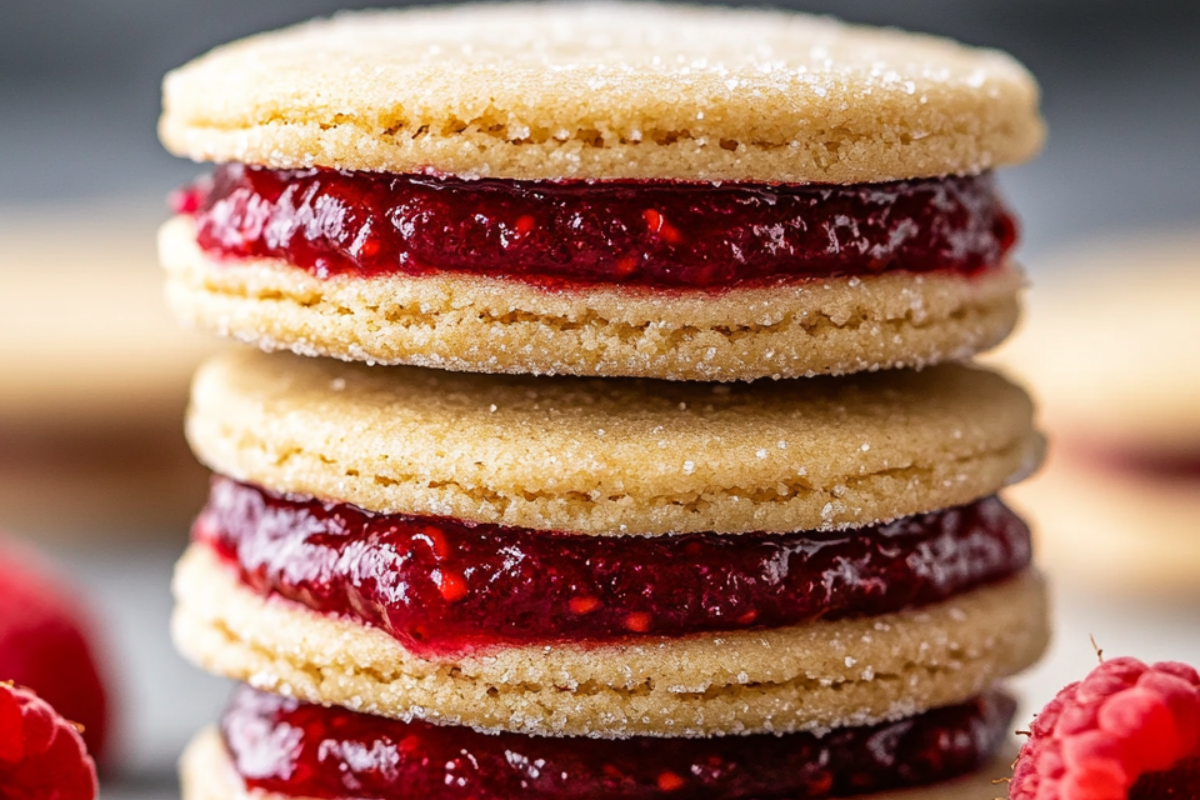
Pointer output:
x,y
525,225
638,622
669,782
452,585
748,617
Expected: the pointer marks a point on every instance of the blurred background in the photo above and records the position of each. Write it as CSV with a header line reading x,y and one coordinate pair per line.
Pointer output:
x,y
94,472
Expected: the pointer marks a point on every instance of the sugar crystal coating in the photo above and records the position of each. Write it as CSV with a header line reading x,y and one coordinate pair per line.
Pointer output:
x,y
477,323
428,442
605,90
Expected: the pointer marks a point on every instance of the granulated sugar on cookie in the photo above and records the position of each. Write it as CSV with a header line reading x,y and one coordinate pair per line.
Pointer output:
x,y
638,190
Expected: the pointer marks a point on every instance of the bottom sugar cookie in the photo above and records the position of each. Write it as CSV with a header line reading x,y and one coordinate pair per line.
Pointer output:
x,y
275,747
482,324
814,676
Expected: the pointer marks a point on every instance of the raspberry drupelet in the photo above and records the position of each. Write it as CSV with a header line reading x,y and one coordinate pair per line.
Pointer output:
x,y
42,755
1127,731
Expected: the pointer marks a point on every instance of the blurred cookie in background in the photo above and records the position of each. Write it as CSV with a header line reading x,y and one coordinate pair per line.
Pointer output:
x,y
95,378
1112,344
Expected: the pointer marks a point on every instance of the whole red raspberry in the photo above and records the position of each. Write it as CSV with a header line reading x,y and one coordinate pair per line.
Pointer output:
x,y
45,644
42,756
1125,732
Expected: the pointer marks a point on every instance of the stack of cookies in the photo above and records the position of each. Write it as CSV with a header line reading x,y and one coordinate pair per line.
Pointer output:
x,y
504,557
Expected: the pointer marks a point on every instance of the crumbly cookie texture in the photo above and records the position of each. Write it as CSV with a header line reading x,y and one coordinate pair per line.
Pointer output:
x,y
1110,344
613,456
480,324
604,90
808,677
207,773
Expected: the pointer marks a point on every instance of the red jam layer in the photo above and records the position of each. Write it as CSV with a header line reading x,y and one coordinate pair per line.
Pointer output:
x,y
442,586
281,745
658,235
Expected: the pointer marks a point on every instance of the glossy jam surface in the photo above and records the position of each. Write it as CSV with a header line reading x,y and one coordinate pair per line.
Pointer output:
x,y
658,235
282,745
442,586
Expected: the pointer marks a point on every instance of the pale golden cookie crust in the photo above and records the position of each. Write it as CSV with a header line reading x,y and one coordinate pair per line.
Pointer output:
x,y
207,773
808,677
481,324
613,457
605,90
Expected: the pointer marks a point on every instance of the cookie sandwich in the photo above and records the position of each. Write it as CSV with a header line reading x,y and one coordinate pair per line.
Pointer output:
x,y
609,190
614,581
740,576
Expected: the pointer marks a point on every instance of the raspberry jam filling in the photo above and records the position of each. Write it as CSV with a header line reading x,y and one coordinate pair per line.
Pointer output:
x,y
653,234
282,745
442,586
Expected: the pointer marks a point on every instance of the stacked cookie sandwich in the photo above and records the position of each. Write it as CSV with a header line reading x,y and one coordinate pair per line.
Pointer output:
x,y
442,583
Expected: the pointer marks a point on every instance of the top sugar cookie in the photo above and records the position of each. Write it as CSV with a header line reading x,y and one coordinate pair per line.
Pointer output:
x,y
605,91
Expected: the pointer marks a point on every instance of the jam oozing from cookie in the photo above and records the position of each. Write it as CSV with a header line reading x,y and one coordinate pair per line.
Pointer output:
x,y
442,586
281,745
652,234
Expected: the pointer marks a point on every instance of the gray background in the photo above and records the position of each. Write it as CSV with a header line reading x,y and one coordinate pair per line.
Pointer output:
x,y
78,102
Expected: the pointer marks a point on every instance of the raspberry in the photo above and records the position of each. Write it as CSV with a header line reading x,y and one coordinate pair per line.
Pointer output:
x,y
43,645
42,756
1125,732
